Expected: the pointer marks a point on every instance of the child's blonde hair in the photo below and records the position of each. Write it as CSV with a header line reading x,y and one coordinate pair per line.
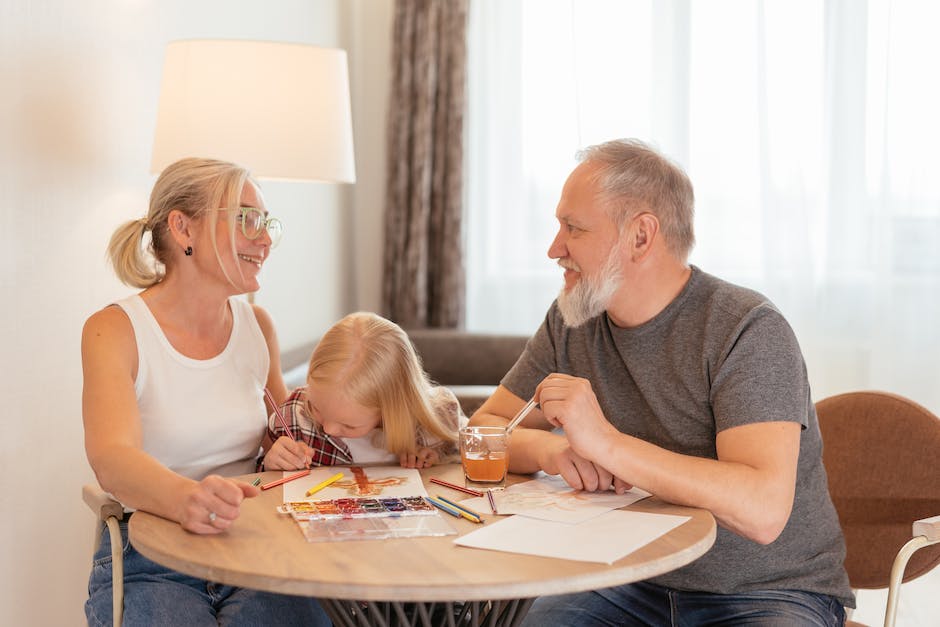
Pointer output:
x,y
373,361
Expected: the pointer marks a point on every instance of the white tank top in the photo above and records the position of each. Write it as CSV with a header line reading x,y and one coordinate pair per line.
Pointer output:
x,y
201,416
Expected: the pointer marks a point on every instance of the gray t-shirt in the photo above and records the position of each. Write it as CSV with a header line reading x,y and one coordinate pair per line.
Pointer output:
x,y
717,357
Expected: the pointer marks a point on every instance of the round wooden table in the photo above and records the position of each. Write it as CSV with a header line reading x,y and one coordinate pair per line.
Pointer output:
x,y
378,582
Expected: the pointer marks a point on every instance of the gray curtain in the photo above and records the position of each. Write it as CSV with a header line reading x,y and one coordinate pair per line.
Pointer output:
x,y
424,283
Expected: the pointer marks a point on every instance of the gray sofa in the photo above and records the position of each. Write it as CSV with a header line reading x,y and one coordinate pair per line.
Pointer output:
x,y
471,364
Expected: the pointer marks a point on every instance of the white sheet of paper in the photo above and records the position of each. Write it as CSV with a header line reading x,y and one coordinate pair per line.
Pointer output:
x,y
605,538
550,498
382,480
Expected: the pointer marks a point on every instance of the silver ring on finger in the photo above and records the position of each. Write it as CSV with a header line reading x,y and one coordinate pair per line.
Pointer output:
x,y
212,517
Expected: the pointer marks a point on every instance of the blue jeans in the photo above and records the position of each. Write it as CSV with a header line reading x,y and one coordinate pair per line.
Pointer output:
x,y
154,595
648,604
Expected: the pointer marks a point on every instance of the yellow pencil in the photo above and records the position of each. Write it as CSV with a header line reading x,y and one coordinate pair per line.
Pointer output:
x,y
325,483
462,508
456,510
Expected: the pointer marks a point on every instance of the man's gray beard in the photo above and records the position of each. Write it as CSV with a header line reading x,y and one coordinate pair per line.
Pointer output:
x,y
590,296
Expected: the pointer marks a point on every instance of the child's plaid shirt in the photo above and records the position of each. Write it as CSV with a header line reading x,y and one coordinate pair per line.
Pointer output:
x,y
332,451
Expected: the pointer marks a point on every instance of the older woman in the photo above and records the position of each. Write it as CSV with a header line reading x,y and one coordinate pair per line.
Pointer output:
x,y
173,398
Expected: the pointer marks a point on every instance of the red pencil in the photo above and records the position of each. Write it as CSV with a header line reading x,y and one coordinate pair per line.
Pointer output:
x,y
277,482
452,486
277,412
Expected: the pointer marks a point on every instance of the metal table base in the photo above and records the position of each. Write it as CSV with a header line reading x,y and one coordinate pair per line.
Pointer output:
x,y
504,613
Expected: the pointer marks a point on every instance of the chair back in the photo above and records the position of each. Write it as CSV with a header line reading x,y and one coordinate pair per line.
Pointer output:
x,y
882,457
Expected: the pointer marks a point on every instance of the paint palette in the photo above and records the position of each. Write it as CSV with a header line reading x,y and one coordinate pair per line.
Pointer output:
x,y
366,518
357,507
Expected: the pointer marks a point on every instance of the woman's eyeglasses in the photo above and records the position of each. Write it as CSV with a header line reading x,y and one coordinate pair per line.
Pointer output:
x,y
253,223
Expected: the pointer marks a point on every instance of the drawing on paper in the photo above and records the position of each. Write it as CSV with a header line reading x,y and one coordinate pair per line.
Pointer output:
x,y
362,485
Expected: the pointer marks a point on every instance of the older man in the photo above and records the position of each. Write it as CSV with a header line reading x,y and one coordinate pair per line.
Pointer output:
x,y
665,377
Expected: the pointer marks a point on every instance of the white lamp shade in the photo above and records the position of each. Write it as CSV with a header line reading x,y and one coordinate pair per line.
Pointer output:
x,y
281,110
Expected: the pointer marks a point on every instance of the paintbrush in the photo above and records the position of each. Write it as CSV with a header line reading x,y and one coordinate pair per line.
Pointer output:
x,y
522,414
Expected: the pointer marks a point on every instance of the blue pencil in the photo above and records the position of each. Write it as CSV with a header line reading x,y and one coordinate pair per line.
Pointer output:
x,y
453,511
462,508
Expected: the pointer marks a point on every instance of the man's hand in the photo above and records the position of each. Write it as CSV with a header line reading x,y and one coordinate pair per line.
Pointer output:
x,y
569,402
558,458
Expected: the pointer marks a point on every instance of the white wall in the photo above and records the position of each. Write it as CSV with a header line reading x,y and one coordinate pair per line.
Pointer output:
x,y
79,83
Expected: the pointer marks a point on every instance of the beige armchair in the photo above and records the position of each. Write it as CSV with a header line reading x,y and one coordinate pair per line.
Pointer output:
x,y
881,455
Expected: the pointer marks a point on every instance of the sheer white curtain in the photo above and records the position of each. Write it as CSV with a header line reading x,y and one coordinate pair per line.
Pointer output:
x,y
810,129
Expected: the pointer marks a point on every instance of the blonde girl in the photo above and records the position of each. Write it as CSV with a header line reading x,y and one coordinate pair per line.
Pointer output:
x,y
367,400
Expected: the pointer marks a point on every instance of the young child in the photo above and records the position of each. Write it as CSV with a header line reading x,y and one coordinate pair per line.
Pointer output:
x,y
367,400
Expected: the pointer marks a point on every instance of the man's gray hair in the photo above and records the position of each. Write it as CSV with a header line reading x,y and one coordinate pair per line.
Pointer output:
x,y
633,177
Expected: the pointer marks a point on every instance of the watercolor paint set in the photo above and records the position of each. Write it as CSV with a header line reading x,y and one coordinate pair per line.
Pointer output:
x,y
361,503
358,507
366,518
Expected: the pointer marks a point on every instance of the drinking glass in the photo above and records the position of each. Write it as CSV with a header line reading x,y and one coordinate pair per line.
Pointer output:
x,y
484,453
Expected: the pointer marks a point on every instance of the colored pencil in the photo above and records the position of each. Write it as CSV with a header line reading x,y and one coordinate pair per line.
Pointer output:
x,y
462,508
296,475
324,483
277,412
453,511
453,486
442,506
489,496
257,481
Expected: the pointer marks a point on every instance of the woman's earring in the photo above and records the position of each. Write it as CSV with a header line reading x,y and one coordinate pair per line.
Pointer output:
x,y
189,251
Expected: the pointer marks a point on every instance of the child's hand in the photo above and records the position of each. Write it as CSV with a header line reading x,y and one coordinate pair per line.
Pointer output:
x,y
287,454
424,458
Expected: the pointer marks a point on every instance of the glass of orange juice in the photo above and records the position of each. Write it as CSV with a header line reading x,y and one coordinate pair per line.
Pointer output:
x,y
484,453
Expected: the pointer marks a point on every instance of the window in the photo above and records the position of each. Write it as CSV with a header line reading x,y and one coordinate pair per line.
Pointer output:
x,y
809,130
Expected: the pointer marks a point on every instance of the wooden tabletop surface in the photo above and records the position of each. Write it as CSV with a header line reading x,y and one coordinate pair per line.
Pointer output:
x,y
267,551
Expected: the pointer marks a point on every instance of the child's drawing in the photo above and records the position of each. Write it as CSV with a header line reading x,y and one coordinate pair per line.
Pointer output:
x,y
362,485
357,481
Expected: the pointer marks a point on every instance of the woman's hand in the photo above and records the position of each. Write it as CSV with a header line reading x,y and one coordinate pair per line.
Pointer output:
x,y
212,505
288,454
423,458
